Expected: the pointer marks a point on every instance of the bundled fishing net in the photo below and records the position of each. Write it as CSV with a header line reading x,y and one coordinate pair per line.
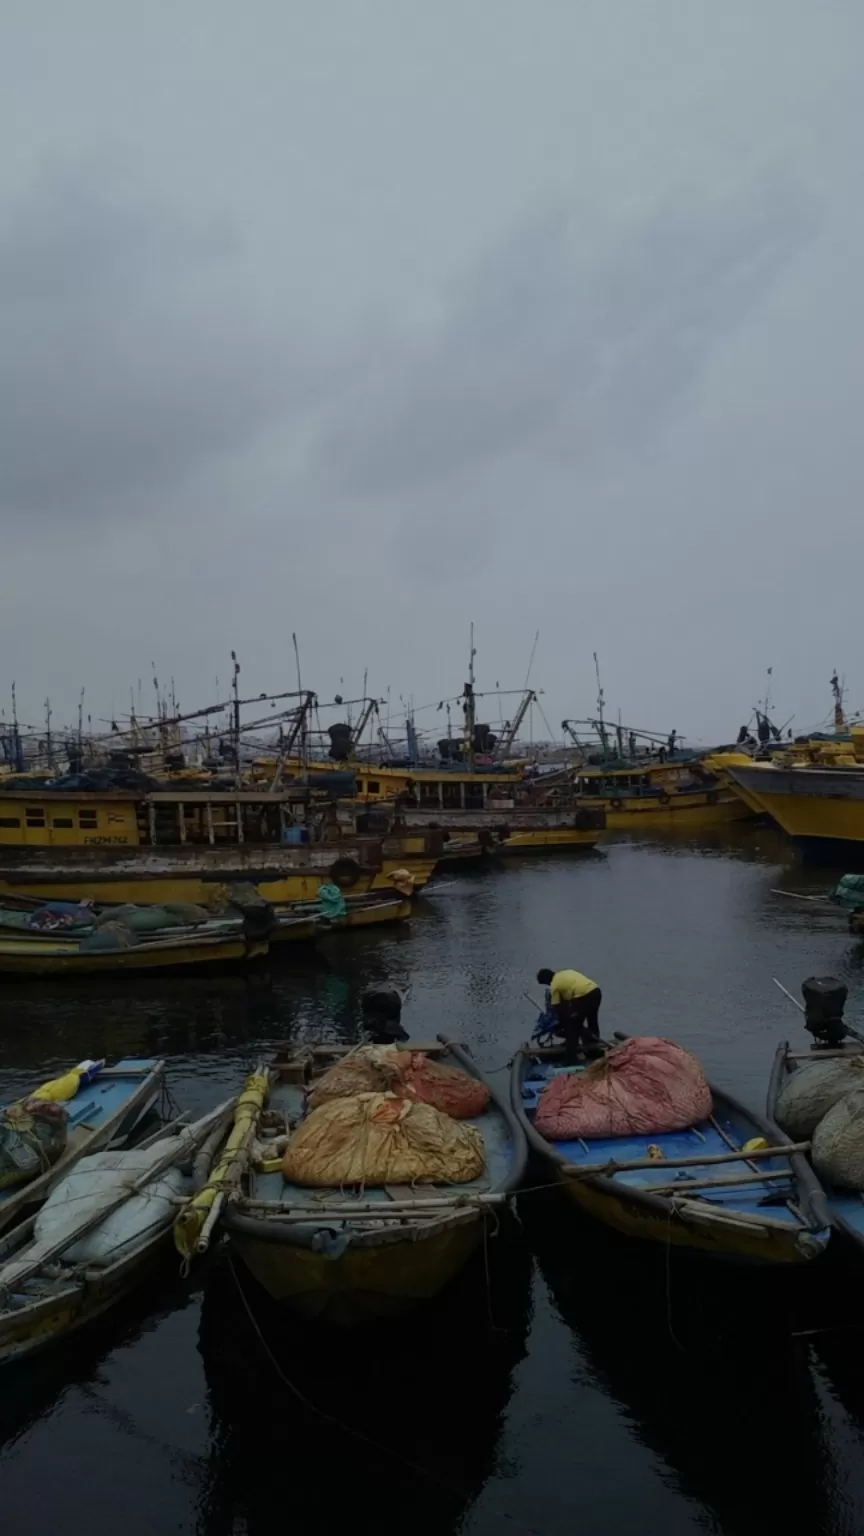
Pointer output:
x,y
643,1087
810,1091
376,1139
838,1143
32,1138
411,1074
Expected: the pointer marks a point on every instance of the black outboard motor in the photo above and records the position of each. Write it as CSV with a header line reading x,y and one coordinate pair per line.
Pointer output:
x,y
824,1001
382,1014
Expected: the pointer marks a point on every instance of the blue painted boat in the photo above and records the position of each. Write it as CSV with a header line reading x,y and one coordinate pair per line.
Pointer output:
x,y
681,1190
845,1206
105,1110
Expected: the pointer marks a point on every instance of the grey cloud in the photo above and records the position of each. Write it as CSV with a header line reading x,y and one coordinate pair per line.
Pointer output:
x,y
547,352
127,359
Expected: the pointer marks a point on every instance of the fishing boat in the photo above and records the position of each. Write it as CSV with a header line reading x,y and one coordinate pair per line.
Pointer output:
x,y
347,1258
96,1237
190,845
820,808
845,1206
696,1189
106,1109
31,958
305,921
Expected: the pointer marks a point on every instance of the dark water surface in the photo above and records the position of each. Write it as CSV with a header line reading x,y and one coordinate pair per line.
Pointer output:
x,y
570,1380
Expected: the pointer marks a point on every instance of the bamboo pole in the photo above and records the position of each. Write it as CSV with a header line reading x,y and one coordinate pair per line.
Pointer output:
x,y
729,1142
689,1209
366,1208
683,1187
698,1160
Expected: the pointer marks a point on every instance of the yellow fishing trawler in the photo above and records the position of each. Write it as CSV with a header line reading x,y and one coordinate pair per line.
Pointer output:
x,y
644,780
190,845
812,787
474,794
817,806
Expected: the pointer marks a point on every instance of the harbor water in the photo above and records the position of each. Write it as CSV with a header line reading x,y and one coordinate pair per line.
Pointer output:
x,y
569,1380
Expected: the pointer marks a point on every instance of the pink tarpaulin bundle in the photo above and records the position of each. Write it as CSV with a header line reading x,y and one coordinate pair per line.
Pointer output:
x,y
645,1086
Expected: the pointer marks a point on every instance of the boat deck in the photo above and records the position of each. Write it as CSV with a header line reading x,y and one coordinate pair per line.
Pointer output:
x,y
766,1196
288,1099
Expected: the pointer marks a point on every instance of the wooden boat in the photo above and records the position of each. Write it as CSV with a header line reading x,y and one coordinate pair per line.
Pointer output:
x,y
308,922
845,1206
96,1236
105,1110
349,1259
28,957
703,1193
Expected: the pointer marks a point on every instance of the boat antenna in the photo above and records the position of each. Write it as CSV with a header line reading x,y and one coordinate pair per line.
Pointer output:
x,y
49,751
81,725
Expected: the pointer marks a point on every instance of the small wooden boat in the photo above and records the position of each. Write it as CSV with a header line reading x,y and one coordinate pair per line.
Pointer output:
x,y
96,1236
43,957
304,922
845,1206
349,1258
105,1110
695,1189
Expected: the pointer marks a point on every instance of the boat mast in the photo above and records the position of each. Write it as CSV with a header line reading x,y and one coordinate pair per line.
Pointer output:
x,y
304,734
839,716
16,735
469,706
49,751
236,731
601,728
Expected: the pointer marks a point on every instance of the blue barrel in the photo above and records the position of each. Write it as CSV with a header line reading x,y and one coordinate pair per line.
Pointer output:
x,y
295,835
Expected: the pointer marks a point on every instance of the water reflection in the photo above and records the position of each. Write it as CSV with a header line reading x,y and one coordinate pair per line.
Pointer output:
x,y
704,1361
431,1388
752,1417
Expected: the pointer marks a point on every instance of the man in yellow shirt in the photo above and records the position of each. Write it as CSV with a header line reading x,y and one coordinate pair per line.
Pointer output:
x,y
574,1001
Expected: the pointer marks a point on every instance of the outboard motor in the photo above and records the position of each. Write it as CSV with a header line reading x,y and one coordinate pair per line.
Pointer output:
x,y
824,1001
382,1014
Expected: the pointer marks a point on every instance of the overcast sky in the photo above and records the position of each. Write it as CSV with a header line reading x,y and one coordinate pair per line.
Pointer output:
x,y
371,318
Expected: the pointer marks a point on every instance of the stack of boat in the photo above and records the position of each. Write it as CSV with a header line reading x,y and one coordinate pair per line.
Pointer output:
x,y
354,1183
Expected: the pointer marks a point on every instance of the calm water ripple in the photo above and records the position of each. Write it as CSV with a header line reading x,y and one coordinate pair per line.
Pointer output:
x,y
589,1384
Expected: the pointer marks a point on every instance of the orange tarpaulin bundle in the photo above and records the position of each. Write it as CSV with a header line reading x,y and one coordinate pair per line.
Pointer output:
x,y
645,1086
375,1139
411,1074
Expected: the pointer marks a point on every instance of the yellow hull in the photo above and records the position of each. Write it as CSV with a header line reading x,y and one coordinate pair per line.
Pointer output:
x,y
371,917
696,813
361,917
537,841
148,889
816,819
762,1245
365,1283
812,804
27,959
